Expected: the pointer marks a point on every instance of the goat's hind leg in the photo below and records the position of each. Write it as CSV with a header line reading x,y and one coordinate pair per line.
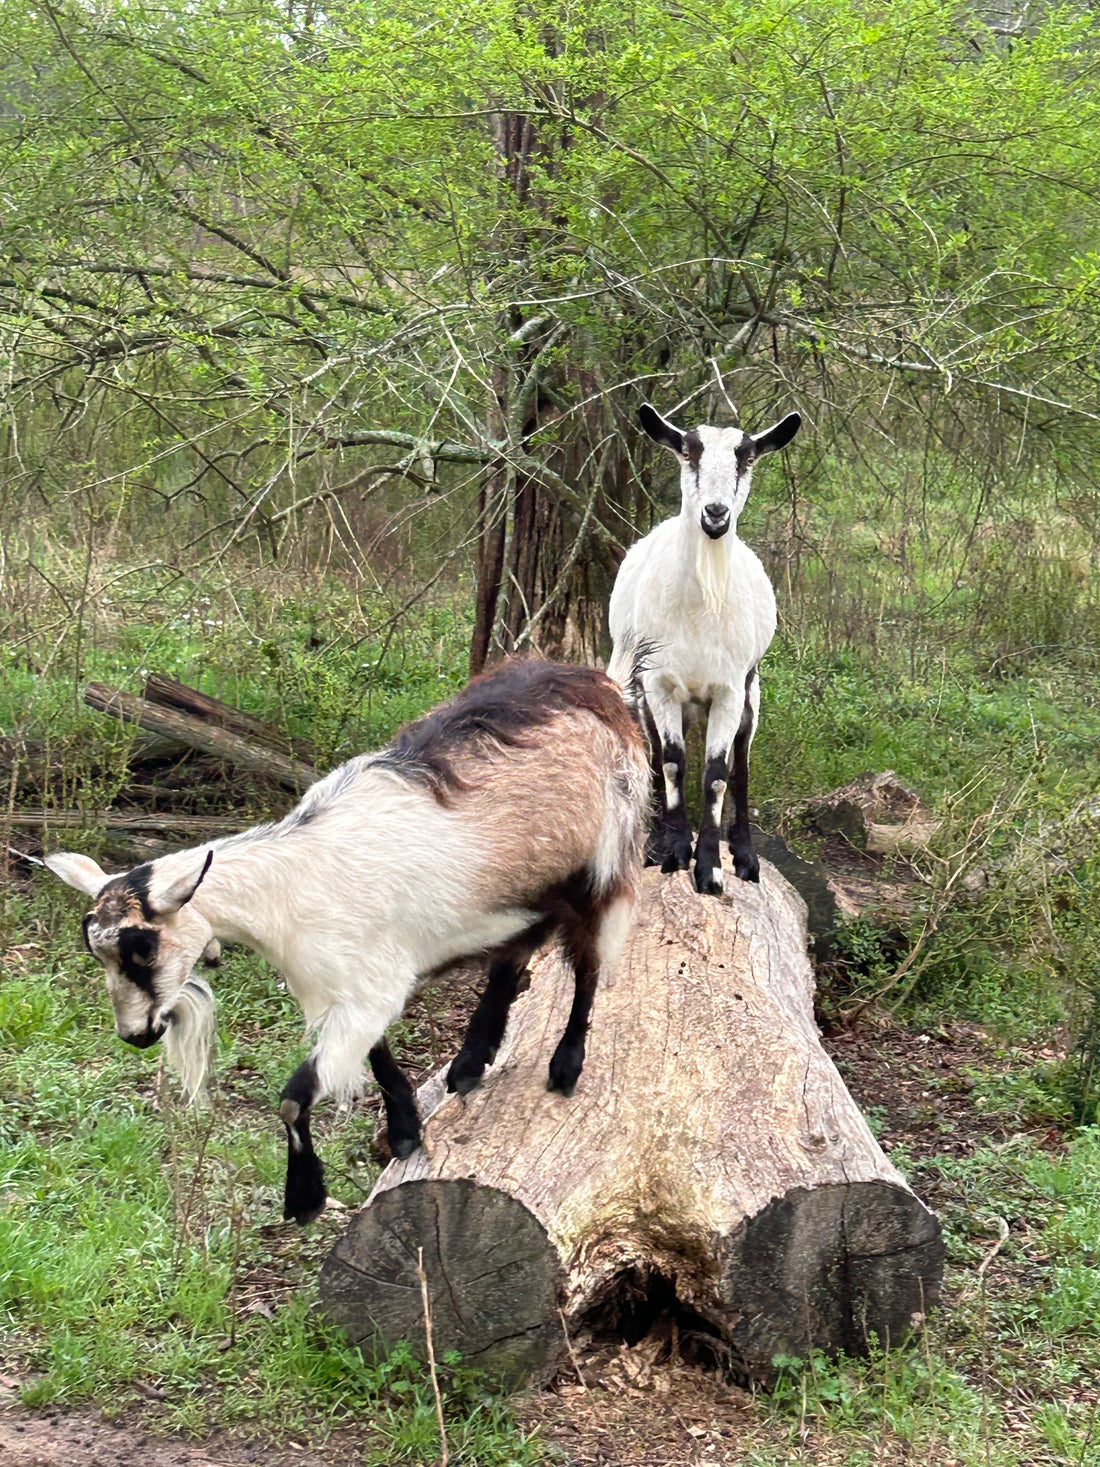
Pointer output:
x,y
490,1018
402,1116
304,1196
593,942
746,863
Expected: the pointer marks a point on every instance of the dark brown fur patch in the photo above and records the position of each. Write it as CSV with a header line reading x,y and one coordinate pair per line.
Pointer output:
x,y
693,447
503,707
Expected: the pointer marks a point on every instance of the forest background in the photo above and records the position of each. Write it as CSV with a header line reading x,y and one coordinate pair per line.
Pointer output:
x,y
322,332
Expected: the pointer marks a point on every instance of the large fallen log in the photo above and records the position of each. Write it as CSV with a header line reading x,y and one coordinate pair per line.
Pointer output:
x,y
172,694
711,1163
198,734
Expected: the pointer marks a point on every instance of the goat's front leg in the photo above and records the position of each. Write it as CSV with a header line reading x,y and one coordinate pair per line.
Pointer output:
x,y
669,843
346,1034
723,720
746,864
304,1197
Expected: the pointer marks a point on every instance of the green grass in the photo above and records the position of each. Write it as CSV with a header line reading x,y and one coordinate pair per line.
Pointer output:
x,y
135,1237
1007,1371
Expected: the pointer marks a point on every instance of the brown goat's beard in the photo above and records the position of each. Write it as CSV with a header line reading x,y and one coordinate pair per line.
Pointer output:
x,y
189,1038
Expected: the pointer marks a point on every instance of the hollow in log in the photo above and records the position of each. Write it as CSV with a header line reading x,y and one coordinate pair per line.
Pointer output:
x,y
711,1163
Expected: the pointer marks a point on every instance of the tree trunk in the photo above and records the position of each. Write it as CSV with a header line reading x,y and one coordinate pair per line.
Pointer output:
x,y
711,1163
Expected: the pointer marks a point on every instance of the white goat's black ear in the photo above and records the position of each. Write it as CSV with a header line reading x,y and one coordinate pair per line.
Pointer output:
x,y
169,894
77,870
777,436
660,429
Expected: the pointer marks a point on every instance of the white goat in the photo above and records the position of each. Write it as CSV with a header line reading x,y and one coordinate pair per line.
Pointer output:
x,y
394,866
700,601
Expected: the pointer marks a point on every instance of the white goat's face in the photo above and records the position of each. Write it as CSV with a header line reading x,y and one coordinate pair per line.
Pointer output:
x,y
716,465
147,938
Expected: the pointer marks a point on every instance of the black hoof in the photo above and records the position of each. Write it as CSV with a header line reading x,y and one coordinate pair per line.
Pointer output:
x,y
709,880
747,868
565,1067
404,1147
305,1194
465,1072
669,847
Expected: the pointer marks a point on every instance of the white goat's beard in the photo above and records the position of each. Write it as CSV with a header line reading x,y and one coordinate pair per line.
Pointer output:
x,y
712,569
189,1037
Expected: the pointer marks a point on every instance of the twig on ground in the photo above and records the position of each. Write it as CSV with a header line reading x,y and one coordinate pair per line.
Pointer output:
x,y
1002,1229
422,1276
572,1352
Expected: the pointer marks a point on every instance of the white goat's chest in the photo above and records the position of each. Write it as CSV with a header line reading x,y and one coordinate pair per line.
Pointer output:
x,y
697,650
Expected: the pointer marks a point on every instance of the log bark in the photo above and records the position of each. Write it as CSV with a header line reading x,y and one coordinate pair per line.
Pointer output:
x,y
171,694
711,1163
197,734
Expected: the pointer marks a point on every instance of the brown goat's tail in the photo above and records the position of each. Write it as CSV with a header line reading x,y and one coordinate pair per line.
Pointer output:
x,y
629,660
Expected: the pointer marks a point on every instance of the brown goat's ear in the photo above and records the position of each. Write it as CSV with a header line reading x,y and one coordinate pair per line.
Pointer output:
x,y
168,894
76,870
777,436
660,429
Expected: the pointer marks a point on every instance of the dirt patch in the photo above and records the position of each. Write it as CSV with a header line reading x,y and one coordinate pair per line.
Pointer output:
x,y
88,1439
918,1089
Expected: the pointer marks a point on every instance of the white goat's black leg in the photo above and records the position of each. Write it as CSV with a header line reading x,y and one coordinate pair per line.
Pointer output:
x,y
745,861
402,1116
653,854
670,839
723,720
490,1018
304,1198
708,856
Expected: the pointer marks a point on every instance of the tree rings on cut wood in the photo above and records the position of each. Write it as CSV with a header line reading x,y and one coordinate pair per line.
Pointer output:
x,y
710,1164
494,1276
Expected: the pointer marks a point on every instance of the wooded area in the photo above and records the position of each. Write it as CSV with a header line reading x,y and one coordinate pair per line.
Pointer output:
x,y
270,272
322,337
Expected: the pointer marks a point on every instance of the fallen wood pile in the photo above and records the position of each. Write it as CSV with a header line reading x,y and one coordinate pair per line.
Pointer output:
x,y
187,827
177,719
711,1165
876,813
206,726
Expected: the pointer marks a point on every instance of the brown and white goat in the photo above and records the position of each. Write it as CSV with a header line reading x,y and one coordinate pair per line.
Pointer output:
x,y
512,814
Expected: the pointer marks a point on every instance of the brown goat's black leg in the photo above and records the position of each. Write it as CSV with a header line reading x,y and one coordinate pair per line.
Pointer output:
x,y
304,1198
490,1018
745,861
402,1116
582,949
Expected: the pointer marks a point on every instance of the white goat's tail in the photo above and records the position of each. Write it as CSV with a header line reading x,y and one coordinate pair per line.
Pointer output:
x,y
189,1038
